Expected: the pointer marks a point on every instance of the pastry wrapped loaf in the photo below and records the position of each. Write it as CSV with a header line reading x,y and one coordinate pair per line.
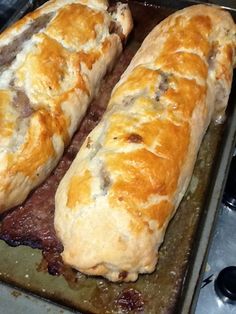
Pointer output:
x,y
115,202
51,64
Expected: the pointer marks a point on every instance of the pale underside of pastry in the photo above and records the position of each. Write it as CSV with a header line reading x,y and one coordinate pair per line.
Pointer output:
x,y
51,64
115,202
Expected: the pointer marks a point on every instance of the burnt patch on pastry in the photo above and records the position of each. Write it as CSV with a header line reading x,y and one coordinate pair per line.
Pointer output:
x,y
9,52
130,300
112,27
115,28
22,103
123,275
135,138
105,179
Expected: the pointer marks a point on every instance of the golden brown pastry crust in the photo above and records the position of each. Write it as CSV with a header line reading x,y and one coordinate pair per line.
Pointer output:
x,y
115,202
62,52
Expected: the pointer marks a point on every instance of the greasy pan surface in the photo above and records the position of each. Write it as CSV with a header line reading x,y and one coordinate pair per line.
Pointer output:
x,y
153,293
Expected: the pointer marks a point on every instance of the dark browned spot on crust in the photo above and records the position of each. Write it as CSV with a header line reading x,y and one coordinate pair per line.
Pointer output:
x,y
115,28
112,27
123,275
130,300
135,138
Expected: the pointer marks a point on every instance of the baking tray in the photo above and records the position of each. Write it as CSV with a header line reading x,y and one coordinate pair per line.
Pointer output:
x,y
12,10
171,287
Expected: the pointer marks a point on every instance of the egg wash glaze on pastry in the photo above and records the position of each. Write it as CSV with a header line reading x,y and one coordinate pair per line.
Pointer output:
x,y
115,202
51,64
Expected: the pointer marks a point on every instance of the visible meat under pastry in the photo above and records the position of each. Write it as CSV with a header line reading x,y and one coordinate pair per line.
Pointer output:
x,y
51,64
116,200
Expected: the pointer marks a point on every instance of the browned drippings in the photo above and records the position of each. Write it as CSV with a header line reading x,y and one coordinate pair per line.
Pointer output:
x,y
130,300
32,223
135,138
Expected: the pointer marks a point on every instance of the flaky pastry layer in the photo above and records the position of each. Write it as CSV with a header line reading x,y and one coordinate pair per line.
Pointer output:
x,y
51,64
115,202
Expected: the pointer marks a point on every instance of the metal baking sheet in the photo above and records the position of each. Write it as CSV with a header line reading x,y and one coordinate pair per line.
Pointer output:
x,y
170,288
12,10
